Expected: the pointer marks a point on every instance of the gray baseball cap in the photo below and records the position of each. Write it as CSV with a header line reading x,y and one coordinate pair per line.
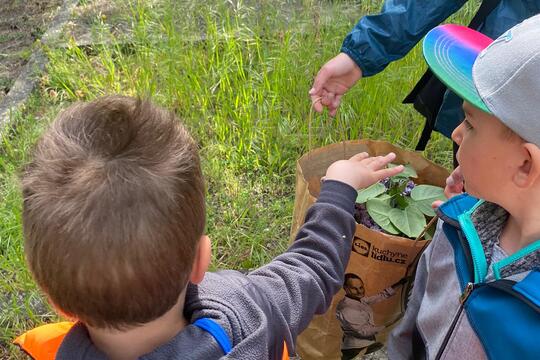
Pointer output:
x,y
500,77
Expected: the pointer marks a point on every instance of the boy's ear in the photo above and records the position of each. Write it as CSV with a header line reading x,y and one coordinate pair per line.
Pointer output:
x,y
528,172
202,260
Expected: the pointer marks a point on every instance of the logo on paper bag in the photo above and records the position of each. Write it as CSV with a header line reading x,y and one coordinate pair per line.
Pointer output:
x,y
364,248
361,246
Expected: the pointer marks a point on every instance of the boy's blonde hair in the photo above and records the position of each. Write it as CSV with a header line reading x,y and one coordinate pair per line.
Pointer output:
x,y
113,211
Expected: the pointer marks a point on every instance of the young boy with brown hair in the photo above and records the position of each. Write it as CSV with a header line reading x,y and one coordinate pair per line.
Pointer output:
x,y
476,292
114,217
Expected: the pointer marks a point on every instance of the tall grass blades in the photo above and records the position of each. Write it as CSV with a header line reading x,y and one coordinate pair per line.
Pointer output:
x,y
237,72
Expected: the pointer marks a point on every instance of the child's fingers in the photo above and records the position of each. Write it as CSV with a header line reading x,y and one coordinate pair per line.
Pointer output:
x,y
389,172
373,160
436,204
381,161
451,191
360,156
454,183
369,160
456,188
455,177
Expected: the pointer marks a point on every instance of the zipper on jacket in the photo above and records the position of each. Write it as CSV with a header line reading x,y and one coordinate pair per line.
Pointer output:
x,y
502,285
468,290
462,298
471,264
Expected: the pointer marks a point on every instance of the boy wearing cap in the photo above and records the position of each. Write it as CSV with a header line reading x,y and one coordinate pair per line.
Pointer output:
x,y
476,292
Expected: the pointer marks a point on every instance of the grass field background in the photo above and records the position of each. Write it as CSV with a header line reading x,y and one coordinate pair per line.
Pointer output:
x,y
238,74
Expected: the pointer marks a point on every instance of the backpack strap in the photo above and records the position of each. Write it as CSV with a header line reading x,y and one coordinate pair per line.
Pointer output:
x,y
427,95
221,337
214,329
43,342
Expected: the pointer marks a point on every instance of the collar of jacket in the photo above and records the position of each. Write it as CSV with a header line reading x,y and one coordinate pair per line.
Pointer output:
x,y
450,211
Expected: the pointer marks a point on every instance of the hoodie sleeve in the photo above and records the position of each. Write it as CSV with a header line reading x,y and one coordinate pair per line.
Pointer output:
x,y
379,39
301,282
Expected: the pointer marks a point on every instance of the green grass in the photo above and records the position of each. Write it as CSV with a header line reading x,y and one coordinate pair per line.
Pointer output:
x,y
238,74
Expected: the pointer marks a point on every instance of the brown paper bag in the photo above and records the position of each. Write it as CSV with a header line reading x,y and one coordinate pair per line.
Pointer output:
x,y
381,268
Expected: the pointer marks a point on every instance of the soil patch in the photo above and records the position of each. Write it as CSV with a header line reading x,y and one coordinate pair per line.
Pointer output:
x,y
21,23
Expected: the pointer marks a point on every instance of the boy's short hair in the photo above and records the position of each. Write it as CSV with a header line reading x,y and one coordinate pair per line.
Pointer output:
x,y
113,211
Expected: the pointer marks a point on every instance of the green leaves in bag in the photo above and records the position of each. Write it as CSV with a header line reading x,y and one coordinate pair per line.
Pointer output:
x,y
397,205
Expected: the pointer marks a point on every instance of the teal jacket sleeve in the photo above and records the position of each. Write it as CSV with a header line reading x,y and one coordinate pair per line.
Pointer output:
x,y
377,40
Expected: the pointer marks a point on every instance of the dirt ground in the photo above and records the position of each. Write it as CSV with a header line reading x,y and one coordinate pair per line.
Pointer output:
x,y
21,23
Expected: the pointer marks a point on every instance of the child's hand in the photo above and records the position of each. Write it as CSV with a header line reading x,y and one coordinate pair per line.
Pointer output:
x,y
454,183
361,170
454,186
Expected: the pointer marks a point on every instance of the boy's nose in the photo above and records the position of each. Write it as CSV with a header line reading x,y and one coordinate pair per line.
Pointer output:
x,y
457,134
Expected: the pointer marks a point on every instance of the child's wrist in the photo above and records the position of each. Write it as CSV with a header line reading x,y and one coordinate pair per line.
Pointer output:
x,y
338,193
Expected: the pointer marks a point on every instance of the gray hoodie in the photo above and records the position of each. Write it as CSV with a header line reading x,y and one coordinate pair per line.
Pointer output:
x,y
270,305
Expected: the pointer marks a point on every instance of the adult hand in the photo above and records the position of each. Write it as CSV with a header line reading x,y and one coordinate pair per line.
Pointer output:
x,y
454,186
361,170
332,81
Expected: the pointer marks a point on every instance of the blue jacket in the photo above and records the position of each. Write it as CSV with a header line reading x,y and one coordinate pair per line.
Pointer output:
x,y
377,40
470,300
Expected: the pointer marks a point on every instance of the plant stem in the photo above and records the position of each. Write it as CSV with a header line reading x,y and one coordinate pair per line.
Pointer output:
x,y
430,223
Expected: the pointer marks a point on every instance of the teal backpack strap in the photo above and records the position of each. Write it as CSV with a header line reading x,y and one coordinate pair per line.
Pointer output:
x,y
214,329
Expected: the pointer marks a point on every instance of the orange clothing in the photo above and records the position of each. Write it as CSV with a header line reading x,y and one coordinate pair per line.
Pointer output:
x,y
42,343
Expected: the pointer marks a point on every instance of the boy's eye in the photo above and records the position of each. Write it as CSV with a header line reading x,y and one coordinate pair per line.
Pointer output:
x,y
468,125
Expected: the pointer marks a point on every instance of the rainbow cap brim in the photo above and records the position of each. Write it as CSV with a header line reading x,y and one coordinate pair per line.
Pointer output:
x,y
450,51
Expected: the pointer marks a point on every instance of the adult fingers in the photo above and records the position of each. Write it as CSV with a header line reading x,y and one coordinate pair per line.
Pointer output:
x,y
328,98
334,106
337,101
320,80
316,103
316,92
